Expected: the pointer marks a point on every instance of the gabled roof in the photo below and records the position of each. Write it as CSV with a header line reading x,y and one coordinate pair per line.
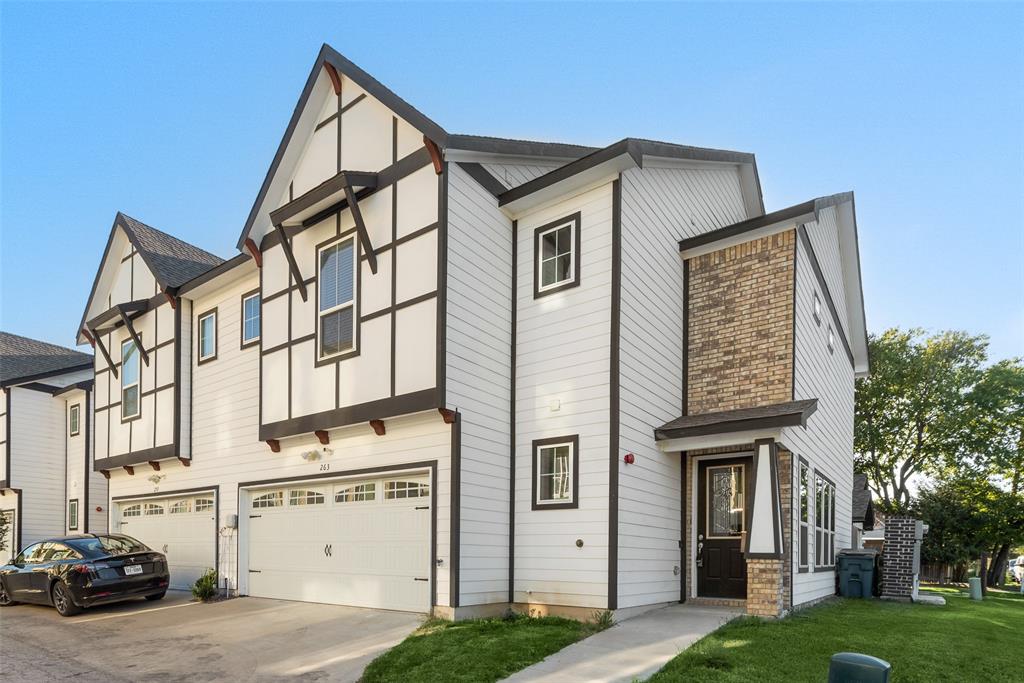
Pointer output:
x,y
863,507
23,359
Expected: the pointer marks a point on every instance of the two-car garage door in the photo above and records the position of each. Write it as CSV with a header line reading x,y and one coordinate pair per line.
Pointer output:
x,y
182,527
364,543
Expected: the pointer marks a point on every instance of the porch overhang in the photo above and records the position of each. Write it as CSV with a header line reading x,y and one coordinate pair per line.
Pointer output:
x,y
731,427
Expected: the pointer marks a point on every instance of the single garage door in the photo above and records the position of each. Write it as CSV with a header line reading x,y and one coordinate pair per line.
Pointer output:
x,y
183,528
362,543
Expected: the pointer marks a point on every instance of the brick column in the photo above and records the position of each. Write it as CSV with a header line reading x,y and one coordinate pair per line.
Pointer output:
x,y
898,558
764,588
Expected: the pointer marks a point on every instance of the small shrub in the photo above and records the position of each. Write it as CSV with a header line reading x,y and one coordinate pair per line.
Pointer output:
x,y
205,587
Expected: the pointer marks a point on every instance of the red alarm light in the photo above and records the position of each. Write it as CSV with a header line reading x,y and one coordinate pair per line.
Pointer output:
x,y
629,458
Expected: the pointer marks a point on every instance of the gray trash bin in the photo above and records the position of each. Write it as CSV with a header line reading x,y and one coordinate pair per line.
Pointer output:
x,y
856,570
850,667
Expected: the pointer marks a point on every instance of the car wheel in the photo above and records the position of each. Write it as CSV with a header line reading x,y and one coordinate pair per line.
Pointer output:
x,y
5,599
61,595
158,596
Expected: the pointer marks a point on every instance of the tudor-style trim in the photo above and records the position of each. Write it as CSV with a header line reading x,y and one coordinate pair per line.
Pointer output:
x,y
255,341
482,176
614,414
254,251
164,452
488,145
40,387
127,321
441,307
293,266
823,286
106,355
513,346
574,220
573,440
339,182
364,235
402,404
199,336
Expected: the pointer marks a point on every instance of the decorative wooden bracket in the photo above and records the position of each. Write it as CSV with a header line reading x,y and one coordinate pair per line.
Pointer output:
x,y
106,355
323,436
364,236
155,465
126,319
105,473
186,462
88,336
292,265
254,251
435,154
378,427
275,445
129,469
447,415
335,78
171,299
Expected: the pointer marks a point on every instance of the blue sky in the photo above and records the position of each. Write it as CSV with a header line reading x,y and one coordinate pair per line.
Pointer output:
x,y
172,113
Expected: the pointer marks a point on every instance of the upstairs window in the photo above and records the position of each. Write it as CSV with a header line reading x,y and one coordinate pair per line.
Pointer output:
x,y
250,319
336,295
831,340
556,246
73,419
130,407
555,476
208,336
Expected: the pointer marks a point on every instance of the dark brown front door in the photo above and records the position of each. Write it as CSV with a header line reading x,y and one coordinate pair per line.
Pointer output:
x,y
723,498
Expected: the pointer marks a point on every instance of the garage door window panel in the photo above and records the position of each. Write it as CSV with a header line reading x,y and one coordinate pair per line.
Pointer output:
x,y
396,490
305,497
358,493
131,511
273,499
181,507
204,504
152,509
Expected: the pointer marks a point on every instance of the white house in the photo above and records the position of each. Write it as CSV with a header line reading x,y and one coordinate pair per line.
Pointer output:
x,y
48,486
452,373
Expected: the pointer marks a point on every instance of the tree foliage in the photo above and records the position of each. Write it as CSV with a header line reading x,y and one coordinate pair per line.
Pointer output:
x,y
5,523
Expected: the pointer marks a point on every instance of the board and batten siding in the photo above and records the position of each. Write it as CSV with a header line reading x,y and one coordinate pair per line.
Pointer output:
x,y
478,380
661,204
563,356
827,442
37,462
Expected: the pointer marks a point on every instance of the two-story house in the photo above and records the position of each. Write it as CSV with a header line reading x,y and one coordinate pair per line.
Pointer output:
x,y
48,485
454,373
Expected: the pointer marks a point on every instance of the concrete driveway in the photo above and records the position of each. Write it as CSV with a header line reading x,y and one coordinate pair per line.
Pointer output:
x,y
250,639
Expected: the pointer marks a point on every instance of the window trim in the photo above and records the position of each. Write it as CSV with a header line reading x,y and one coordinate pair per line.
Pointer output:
x,y
829,532
75,419
573,441
73,505
200,360
244,343
137,383
802,540
575,221
357,255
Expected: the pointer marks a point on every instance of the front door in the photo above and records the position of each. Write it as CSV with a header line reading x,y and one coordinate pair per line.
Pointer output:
x,y
723,499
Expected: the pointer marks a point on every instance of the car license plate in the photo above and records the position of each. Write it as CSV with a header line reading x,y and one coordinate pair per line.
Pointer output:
x,y
133,569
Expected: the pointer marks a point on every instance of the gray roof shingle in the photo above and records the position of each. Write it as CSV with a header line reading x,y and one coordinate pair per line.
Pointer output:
x,y
22,358
790,413
173,261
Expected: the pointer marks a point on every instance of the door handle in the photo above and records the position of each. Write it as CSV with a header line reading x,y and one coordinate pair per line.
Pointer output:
x,y
700,553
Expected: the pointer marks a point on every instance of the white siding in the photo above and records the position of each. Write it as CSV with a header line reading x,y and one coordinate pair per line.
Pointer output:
x,y
3,434
479,327
660,206
515,174
824,236
76,480
563,354
37,462
827,442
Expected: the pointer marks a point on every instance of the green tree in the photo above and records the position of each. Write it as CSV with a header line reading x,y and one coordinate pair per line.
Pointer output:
x,y
912,410
5,523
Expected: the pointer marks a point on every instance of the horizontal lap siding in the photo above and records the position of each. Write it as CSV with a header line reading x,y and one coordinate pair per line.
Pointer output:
x,y
37,462
479,328
660,206
75,473
827,442
513,175
824,236
563,354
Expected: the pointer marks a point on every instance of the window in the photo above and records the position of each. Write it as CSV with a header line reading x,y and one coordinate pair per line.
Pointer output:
x,y
301,497
831,340
106,545
556,246
150,509
208,336
726,502
555,476
73,514
250,318
274,499
355,494
132,511
204,504
824,522
405,489
336,295
805,514
130,404
817,308
180,507
73,419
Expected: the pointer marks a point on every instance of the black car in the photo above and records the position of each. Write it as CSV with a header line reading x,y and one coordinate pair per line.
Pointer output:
x,y
83,570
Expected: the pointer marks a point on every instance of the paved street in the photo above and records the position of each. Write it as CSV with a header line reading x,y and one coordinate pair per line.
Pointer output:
x,y
175,639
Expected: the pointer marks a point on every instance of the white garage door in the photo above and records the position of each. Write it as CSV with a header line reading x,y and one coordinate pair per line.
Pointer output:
x,y
362,543
183,528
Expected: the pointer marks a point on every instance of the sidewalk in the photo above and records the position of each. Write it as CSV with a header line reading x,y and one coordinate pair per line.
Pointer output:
x,y
632,650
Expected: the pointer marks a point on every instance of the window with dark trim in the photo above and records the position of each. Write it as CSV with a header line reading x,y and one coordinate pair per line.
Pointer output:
x,y
207,349
336,298
73,514
556,248
74,419
556,473
804,491
250,319
130,398
824,522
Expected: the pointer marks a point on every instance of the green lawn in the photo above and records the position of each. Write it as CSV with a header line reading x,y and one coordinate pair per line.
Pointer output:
x,y
963,641
478,650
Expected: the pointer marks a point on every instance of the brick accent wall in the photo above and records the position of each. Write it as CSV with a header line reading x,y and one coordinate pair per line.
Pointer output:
x,y
786,496
898,554
764,587
740,329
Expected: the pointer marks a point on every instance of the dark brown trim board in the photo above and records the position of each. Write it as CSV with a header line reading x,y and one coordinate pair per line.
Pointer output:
x,y
683,466
456,510
441,326
43,375
574,441
136,457
613,397
402,404
575,221
483,177
88,452
242,343
512,417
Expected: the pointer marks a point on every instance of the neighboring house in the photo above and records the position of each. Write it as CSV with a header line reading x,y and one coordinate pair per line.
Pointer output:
x,y
48,486
863,510
452,373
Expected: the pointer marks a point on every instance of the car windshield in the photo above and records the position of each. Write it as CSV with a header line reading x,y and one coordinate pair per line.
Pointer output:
x,y
107,545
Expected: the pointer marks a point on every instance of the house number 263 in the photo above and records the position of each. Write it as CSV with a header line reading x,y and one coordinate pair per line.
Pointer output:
x,y
324,466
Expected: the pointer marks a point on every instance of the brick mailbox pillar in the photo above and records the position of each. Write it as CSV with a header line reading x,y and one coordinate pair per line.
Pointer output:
x,y
901,558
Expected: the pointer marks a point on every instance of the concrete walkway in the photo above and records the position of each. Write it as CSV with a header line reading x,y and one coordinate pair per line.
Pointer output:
x,y
631,650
